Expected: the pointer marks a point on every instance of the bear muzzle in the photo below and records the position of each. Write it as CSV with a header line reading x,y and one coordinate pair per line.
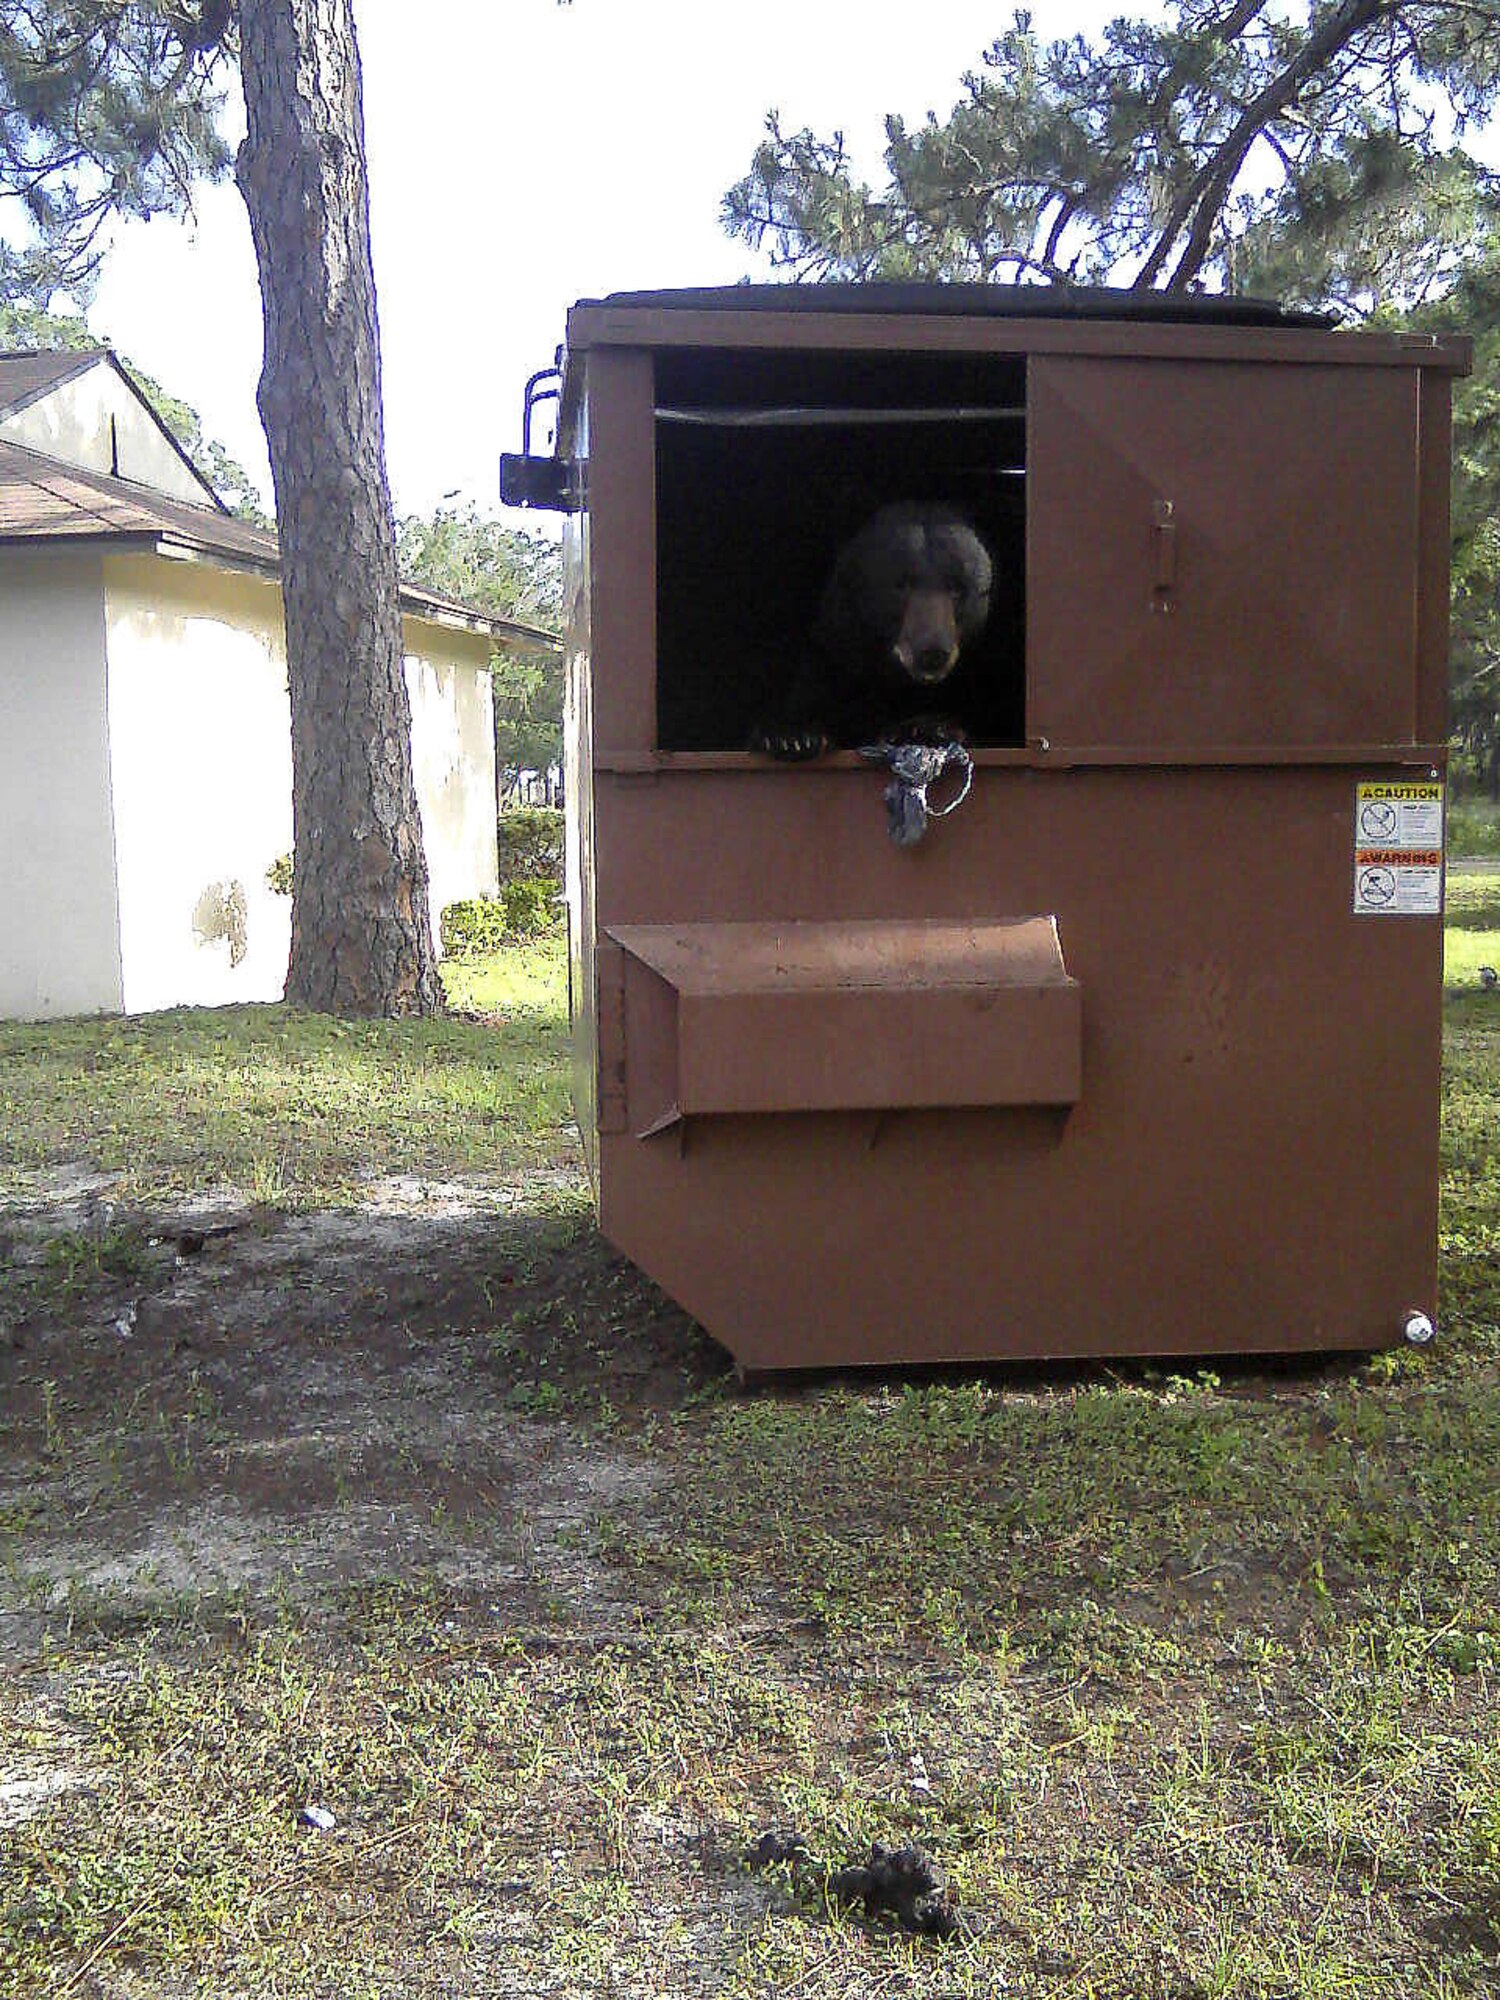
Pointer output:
x,y
926,647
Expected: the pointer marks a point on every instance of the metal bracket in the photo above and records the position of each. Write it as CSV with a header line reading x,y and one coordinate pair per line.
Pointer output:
x,y
1165,531
554,485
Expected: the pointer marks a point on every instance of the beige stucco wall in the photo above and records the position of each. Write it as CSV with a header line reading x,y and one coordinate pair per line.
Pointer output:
x,y
201,732
72,422
59,930
453,758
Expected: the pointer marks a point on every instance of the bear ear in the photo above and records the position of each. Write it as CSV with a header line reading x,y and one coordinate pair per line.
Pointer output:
x,y
978,581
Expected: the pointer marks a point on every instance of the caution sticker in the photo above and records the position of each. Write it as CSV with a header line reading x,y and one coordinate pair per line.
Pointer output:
x,y
1398,849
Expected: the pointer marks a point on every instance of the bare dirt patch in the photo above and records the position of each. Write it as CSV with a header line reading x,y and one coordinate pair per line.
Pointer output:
x,y
213,1399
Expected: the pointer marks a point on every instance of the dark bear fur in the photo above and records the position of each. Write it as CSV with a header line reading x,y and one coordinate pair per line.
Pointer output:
x,y
905,597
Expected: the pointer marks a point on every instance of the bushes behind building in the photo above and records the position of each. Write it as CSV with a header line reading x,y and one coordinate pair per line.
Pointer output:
x,y
531,845
529,902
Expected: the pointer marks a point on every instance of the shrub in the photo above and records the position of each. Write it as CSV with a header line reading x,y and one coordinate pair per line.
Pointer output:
x,y
530,905
279,876
523,909
472,926
1473,827
531,844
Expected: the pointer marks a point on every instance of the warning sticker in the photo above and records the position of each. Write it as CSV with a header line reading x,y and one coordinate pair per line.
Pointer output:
x,y
1401,815
1398,849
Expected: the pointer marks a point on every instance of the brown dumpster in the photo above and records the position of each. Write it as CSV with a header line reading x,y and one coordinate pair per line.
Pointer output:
x,y
1136,1050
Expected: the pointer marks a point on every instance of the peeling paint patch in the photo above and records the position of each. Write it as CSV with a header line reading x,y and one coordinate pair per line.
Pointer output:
x,y
222,915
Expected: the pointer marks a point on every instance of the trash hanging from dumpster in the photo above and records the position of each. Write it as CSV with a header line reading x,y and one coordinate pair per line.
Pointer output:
x,y
915,768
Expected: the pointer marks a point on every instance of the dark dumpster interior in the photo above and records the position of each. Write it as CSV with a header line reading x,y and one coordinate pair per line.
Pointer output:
x,y
766,463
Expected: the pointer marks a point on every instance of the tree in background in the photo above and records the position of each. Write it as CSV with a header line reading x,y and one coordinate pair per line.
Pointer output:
x,y
517,576
361,930
1315,142
111,108
107,108
1473,305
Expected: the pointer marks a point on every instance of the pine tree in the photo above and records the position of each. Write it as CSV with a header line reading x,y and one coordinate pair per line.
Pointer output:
x,y
107,108
1313,147
361,928
111,108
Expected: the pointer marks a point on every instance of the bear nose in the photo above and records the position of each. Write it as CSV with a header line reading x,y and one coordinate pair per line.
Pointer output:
x,y
933,662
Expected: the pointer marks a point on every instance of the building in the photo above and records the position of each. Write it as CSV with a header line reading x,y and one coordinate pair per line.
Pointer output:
x,y
145,729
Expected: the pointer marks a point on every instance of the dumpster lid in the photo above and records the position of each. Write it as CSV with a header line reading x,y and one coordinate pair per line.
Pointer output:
x,y
713,958
976,302
755,1017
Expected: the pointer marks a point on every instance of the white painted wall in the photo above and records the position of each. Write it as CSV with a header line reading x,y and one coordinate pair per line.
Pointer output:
x,y
59,929
72,422
145,771
453,759
200,729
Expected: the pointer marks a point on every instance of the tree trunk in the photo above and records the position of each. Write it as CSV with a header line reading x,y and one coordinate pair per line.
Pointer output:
x,y
361,928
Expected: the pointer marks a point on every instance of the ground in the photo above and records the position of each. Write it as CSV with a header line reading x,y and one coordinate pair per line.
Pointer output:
x,y
375,1483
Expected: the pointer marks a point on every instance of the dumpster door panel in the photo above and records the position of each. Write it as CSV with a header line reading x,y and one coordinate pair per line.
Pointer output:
x,y
1192,578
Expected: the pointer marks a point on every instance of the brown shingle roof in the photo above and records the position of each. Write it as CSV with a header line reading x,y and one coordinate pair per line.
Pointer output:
x,y
25,376
43,500
28,376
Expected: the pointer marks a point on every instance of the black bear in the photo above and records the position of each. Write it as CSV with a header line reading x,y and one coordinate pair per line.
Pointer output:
x,y
906,595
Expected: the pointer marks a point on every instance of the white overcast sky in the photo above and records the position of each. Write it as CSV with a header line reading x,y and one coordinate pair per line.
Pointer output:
x,y
523,154
526,153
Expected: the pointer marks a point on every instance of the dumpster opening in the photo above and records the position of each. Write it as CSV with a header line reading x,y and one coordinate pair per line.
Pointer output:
x,y
767,464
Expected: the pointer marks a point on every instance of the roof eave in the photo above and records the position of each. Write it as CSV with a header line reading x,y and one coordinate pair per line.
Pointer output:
x,y
180,545
414,602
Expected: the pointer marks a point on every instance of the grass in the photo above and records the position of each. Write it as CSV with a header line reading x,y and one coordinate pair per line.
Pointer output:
x,y
1472,931
1191,1680
294,1109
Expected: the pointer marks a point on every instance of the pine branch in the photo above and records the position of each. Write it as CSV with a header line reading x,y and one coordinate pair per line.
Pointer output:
x,y
1200,202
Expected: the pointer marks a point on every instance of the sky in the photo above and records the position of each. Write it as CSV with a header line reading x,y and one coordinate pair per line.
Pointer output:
x,y
524,154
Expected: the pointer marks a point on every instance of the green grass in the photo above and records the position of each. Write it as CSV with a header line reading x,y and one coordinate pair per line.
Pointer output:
x,y
1200,1671
529,979
295,1108
1471,935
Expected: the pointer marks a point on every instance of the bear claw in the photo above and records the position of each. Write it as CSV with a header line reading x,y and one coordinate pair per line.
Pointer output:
x,y
790,746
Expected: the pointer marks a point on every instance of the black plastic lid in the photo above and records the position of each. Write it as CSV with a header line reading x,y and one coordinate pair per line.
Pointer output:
x,y
977,301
